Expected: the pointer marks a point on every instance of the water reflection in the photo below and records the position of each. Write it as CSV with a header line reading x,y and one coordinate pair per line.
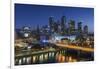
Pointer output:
x,y
60,56
41,58
34,59
46,57
28,60
20,61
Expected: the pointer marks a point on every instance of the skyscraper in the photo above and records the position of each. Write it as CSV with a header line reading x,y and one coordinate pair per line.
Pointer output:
x,y
59,27
63,24
38,32
38,29
51,23
86,29
79,27
55,27
71,26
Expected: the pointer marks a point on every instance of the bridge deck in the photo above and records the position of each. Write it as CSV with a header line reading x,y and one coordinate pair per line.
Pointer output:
x,y
33,53
75,47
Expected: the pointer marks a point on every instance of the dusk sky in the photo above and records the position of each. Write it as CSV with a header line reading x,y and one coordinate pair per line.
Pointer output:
x,y
33,15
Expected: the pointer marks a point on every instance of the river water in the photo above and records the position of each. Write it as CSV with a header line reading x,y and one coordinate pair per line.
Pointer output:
x,y
61,56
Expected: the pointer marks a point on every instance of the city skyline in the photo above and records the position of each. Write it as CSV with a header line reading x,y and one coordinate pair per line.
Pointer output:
x,y
29,15
53,34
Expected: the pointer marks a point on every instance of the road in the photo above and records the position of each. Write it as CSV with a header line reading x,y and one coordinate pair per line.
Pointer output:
x,y
75,47
34,52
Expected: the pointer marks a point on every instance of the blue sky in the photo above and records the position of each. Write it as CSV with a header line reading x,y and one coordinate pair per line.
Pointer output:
x,y
32,15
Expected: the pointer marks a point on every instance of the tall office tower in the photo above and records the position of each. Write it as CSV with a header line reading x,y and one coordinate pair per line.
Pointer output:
x,y
86,29
63,24
45,29
59,27
56,27
38,32
51,23
38,29
79,27
71,25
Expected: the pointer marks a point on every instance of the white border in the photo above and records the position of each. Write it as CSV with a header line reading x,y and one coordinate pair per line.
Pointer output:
x,y
45,2
12,35
78,3
4,34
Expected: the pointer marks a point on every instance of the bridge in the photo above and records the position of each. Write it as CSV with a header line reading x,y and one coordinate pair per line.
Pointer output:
x,y
28,53
75,47
36,57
